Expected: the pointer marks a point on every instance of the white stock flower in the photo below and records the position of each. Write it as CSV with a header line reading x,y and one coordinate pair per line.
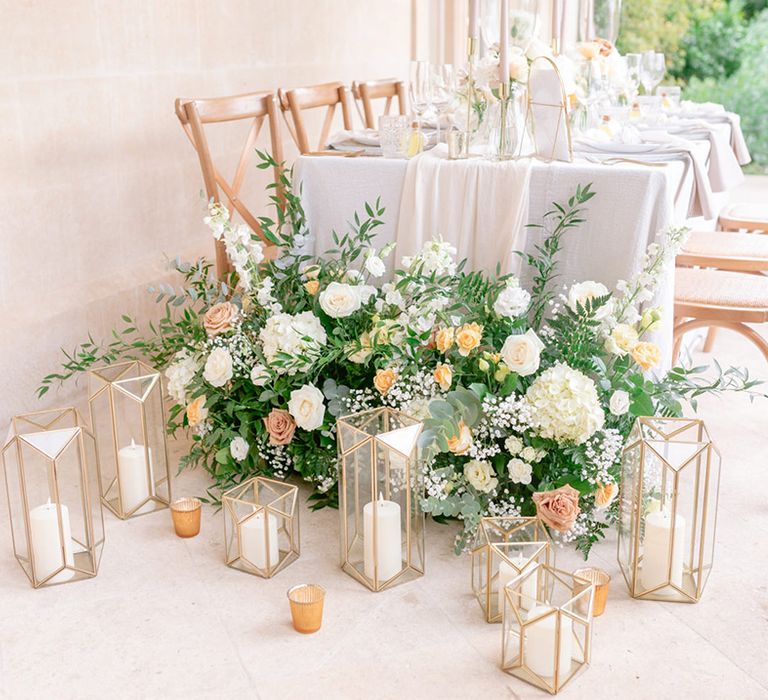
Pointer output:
x,y
302,334
218,367
238,448
581,292
307,407
393,296
522,353
480,475
512,301
374,265
513,444
179,374
519,471
565,405
619,402
260,375
436,257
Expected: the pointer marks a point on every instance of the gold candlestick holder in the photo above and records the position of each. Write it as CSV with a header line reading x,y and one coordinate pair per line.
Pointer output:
x,y
471,46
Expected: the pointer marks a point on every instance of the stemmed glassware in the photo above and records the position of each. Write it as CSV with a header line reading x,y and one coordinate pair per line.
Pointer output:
x,y
633,61
443,93
420,89
652,70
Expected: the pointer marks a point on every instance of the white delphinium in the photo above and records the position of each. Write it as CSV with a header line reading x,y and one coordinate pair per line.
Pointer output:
x,y
566,407
436,257
179,374
265,297
243,250
513,300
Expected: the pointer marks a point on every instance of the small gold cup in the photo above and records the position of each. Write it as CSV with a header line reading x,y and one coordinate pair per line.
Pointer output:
x,y
307,607
186,516
600,580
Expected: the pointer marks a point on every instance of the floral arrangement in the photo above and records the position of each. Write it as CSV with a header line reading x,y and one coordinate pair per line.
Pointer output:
x,y
527,395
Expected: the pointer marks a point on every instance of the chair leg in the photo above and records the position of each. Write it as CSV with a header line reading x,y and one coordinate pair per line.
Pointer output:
x,y
709,341
749,333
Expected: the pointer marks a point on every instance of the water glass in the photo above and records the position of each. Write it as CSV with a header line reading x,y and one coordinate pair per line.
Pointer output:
x,y
670,96
393,134
652,70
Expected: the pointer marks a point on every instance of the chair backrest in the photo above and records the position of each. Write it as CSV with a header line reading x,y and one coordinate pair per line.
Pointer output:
x,y
389,88
328,95
257,106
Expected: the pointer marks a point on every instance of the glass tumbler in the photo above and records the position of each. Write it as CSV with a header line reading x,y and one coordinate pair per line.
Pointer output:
x,y
393,134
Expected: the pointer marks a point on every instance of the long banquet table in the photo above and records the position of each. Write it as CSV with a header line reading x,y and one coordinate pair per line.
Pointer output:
x,y
633,202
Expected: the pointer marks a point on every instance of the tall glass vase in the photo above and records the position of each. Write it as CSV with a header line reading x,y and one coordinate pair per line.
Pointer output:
x,y
505,126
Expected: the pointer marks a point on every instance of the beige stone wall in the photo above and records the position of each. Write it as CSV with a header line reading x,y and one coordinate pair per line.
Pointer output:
x,y
98,182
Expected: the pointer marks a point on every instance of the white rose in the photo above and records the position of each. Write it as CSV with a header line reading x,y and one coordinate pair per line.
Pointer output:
x,y
582,292
528,454
339,300
512,301
260,375
519,471
619,403
480,475
307,407
522,353
218,367
513,444
375,265
238,448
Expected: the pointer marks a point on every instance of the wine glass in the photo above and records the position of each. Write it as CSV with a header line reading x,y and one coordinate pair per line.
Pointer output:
x,y
420,88
523,15
652,70
633,61
588,92
443,92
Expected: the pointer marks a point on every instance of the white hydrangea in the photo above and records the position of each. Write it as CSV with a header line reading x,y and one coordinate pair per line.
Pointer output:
x,y
179,374
513,300
565,405
294,335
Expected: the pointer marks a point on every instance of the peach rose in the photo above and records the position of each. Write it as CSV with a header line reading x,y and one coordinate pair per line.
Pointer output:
x,y
558,508
460,444
444,339
219,318
312,286
196,411
468,338
443,375
605,494
280,426
646,355
384,380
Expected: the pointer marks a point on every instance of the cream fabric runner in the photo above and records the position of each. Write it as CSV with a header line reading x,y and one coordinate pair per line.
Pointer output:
x,y
480,207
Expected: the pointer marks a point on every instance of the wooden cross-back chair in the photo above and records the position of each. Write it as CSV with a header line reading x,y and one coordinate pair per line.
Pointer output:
x,y
258,107
388,89
296,100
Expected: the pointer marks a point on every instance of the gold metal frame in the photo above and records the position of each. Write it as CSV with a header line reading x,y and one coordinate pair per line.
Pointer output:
x,y
270,500
577,608
495,537
108,383
87,558
358,450
562,117
648,447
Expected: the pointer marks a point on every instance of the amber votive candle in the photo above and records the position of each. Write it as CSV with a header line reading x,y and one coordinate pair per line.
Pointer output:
x,y
600,580
307,607
186,516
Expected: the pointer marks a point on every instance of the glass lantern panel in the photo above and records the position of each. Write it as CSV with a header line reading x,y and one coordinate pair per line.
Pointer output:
x,y
480,574
543,645
16,504
512,632
259,544
692,507
154,417
393,512
416,555
72,487
101,422
230,531
627,522
509,561
358,484
710,522
92,481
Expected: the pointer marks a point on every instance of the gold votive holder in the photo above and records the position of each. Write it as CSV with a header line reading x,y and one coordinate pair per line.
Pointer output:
x,y
457,141
601,581
306,602
186,516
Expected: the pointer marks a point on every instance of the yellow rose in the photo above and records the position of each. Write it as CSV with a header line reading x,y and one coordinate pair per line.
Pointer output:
x,y
312,286
647,355
460,444
468,338
443,375
384,380
605,494
444,339
196,411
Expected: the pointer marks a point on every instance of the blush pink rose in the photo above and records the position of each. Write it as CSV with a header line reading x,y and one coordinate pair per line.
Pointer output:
x,y
280,426
219,318
558,509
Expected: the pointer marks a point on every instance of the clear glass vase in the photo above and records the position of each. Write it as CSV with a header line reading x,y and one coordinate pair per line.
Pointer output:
x,y
505,126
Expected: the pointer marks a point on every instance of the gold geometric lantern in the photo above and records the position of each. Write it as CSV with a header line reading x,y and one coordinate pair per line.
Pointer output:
x,y
670,483
380,493
250,545
503,549
52,483
128,419
547,626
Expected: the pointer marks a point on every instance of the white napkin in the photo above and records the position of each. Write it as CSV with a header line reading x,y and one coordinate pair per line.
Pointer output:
x,y
479,206
366,140
709,111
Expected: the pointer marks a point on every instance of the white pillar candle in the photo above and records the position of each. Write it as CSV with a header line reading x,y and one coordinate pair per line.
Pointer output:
x,y
252,544
46,543
528,588
388,553
472,19
504,43
135,485
539,644
655,569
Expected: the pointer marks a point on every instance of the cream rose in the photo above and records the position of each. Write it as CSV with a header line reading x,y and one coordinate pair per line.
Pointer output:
x,y
558,508
340,300
260,375
522,353
280,426
444,339
307,407
311,287
622,339
480,475
360,353
646,355
384,380
196,411
468,337
519,471
218,367
375,266
513,444
582,292
443,375
219,318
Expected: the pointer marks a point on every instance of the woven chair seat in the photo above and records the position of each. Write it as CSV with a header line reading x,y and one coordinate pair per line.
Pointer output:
x,y
745,252
730,296
753,217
